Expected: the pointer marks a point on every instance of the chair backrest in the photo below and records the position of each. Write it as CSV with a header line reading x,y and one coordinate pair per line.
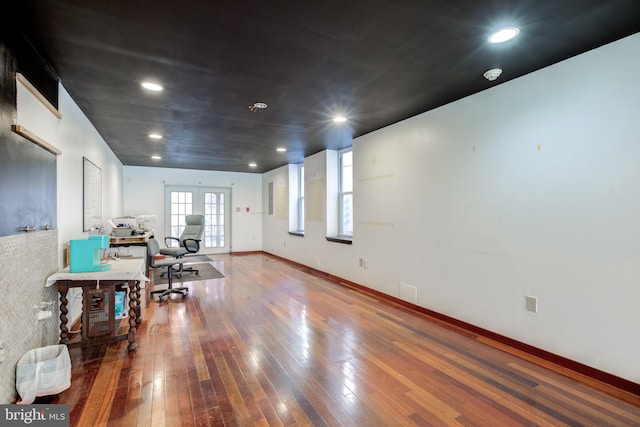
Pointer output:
x,y
193,229
153,248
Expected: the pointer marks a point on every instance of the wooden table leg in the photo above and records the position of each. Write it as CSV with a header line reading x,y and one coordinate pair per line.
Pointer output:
x,y
138,306
63,288
133,303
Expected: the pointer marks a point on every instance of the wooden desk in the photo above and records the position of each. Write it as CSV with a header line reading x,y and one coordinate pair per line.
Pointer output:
x,y
123,273
138,240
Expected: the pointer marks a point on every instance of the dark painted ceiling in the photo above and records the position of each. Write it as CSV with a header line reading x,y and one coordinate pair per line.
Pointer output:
x,y
375,61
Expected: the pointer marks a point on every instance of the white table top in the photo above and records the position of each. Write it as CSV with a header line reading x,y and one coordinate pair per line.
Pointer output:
x,y
122,269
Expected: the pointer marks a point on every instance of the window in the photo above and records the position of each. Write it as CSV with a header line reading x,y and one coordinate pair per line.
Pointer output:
x,y
339,196
345,194
270,195
301,197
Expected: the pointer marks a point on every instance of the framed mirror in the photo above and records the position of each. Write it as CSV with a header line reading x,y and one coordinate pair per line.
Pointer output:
x,y
91,195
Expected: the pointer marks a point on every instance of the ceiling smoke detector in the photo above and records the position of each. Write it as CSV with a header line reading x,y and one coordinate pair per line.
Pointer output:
x,y
257,106
492,74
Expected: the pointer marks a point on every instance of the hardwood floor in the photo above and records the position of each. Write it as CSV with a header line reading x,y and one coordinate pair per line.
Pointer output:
x,y
272,345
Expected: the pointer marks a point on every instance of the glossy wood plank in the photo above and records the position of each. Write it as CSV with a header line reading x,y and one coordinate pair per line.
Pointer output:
x,y
271,344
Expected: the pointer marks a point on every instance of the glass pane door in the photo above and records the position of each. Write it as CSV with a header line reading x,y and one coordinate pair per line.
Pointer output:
x,y
214,219
181,205
213,203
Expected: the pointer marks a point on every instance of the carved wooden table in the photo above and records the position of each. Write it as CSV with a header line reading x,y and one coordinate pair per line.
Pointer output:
x,y
98,296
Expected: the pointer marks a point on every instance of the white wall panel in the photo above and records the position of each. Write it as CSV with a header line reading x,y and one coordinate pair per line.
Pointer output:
x,y
144,194
527,188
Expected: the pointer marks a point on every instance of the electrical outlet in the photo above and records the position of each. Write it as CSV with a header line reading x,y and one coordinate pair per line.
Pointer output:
x,y
365,263
531,304
360,262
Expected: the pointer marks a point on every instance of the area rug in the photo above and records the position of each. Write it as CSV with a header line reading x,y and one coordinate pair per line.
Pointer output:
x,y
197,258
206,272
190,259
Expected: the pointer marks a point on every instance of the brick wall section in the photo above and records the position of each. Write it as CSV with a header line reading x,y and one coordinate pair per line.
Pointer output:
x,y
26,260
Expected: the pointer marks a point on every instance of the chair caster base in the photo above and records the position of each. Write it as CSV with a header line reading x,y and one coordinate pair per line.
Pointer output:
x,y
163,295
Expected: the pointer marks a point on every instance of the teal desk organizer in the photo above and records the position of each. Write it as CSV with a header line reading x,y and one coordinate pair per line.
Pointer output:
x,y
84,255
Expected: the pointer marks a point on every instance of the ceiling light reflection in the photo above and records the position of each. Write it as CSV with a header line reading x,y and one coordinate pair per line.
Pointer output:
x,y
158,380
255,359
298,315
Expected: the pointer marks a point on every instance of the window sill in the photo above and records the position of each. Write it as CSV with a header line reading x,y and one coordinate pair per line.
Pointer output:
x,y
340,239
296,233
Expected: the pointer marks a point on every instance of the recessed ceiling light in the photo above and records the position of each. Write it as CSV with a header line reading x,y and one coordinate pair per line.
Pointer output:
x,y
156,157
281,149
253,165
503,34
155,87
155,136
339,119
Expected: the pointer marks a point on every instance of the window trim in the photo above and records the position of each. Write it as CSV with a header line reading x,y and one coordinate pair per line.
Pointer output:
x,y
295,217
300,205
340,239
341,234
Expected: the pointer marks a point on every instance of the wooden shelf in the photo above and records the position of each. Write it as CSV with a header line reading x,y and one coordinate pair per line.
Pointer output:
x,y
21,130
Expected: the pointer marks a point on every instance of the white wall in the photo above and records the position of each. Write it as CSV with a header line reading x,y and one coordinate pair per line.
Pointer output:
x,y
313,249
144,195
76,137
528,188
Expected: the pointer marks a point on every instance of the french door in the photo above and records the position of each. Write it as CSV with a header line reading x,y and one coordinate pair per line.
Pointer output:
x,y
212,202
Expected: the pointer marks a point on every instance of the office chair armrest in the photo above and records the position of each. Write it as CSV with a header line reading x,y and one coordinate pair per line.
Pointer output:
x,y
192,245
168,240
